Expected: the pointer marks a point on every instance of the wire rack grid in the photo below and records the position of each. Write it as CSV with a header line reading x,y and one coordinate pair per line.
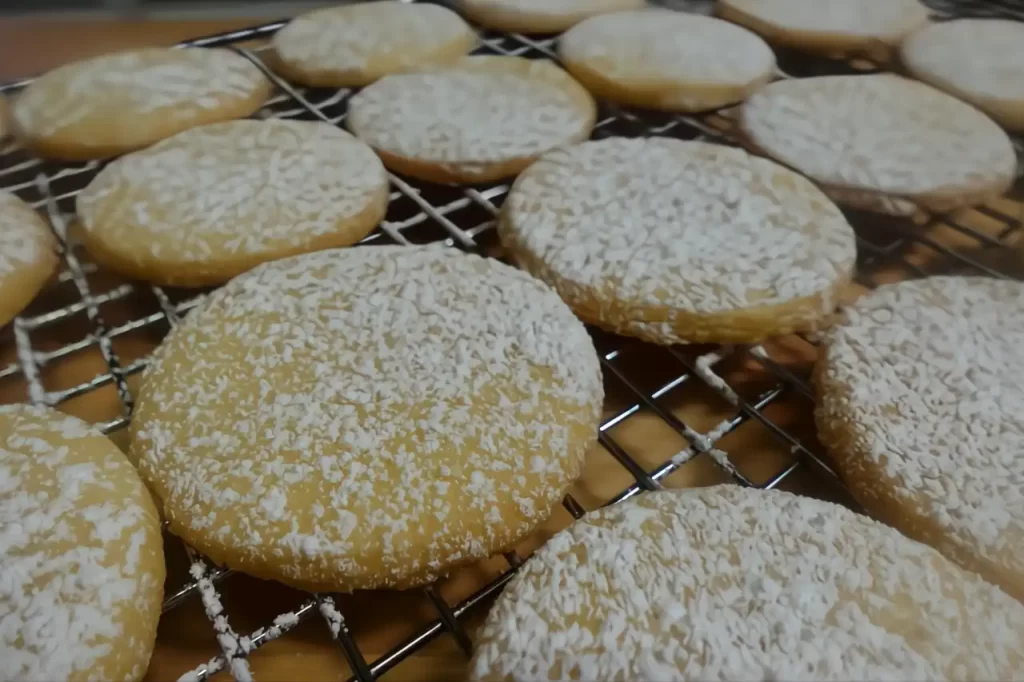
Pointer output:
x,y
464,218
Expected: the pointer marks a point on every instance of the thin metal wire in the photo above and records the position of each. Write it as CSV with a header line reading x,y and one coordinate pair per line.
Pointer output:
x,y
415,209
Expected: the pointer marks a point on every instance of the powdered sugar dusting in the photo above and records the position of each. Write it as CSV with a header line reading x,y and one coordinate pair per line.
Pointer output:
x,y
241,188
980,57
366,417
176,83
689,226
727,583
886,20
25,241
550,8
925,376
673,49
480,111
879,133
80,552
352,37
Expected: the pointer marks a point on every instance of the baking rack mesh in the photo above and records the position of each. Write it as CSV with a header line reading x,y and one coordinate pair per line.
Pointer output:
x,y
464,218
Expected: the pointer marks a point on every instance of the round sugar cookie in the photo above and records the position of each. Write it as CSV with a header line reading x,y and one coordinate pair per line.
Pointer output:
x,y
872,28
730,583
116,103
678,242
539,16
354,45
28,255
479,120
921,403
881,142
660,59
977,60
81,554
368,417
212,202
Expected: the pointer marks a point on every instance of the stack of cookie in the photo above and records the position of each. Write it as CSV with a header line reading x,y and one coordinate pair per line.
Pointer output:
x,y
341,419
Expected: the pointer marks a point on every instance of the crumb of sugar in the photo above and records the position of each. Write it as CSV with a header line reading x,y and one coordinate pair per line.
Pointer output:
x,y
927,374
878,133
466,114
662,222
139,81
727,583
383,399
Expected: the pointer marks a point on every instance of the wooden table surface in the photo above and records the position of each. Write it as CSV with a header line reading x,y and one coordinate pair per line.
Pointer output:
x,y
379,620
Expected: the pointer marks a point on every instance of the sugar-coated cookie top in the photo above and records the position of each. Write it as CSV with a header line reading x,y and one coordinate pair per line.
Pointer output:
x,y
690,225
25,239
552,8
175,82
727,583
238,187
661,45
80,552
979,56
479,110
351,36
867,18
879,133
929,376
364,416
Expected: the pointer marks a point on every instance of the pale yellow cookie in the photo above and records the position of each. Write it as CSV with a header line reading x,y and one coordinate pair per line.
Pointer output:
x,y
679,242
212,202
354,45
478,120
921,403
539,16
978,60
731,583
660,59
81,554
116,103
28,255
367,417
882,142
872,28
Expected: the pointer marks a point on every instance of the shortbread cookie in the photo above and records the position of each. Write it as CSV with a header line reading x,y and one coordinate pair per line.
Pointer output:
x,y
921,391
354,45
731,583
28,255
872,28
212,202
882,142
120,102
539,16
81,555
678,242
977,60
660,59
479,120
367,417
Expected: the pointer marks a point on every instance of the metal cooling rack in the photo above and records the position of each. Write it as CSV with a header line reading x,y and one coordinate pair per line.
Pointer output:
x,y
464,218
